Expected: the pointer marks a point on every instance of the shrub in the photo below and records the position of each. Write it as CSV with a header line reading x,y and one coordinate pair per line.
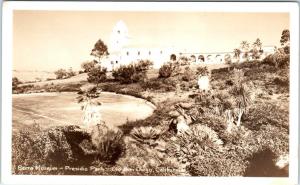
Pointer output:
x,y
68,87
97,75
216,163
124,74
287,49
278,59
71,73
163,85
23,88
281,81
142,161
274,138
57,146
61,73
133,72
15,83
264,114
227,59
203,153
188,74
143,65
166,70
108,142
88,66
203,71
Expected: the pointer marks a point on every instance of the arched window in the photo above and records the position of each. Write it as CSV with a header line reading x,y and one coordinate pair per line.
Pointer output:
x,y
208,57
173,57
201,58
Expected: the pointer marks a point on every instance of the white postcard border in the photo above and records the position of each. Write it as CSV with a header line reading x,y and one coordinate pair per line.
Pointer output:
x,y
8,7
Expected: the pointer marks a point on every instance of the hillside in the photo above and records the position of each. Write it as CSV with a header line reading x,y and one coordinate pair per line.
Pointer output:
x,y
29,76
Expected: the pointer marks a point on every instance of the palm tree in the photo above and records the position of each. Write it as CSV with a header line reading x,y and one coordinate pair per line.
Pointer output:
x,y
257,44
245,46
256,50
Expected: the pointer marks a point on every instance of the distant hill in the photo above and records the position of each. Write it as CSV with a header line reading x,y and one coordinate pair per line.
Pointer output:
x,y
30,76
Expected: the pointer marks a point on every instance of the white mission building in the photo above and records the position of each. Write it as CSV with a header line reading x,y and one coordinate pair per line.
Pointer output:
x,y
122,52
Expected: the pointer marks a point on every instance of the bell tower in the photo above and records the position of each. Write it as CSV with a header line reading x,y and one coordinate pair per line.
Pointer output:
x,y
119,37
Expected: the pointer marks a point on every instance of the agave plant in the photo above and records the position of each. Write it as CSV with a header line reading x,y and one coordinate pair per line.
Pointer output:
x,y
190,144
145,135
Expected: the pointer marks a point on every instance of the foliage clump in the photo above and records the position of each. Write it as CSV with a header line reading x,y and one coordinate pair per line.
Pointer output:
x,y
279,59
56,146
188,74
97,75
203,153
15,83
88,66
132,73
61,74
141,160
108,142
166,70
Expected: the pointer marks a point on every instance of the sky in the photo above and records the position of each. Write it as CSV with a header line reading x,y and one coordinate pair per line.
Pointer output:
x,y
49,40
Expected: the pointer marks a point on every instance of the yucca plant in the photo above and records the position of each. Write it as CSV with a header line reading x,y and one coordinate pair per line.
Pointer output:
x,y
90,105
108,143
242,95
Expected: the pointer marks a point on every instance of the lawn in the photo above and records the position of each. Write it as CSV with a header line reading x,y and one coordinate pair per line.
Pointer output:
x,y
57,109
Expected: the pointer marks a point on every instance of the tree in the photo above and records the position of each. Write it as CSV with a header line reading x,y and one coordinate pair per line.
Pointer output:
x,y
61,73
285,37
257,44
245,46
15,82
255,53
285,41
256,49
100,50
227,59
70,73
97,75
88,65
237,53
